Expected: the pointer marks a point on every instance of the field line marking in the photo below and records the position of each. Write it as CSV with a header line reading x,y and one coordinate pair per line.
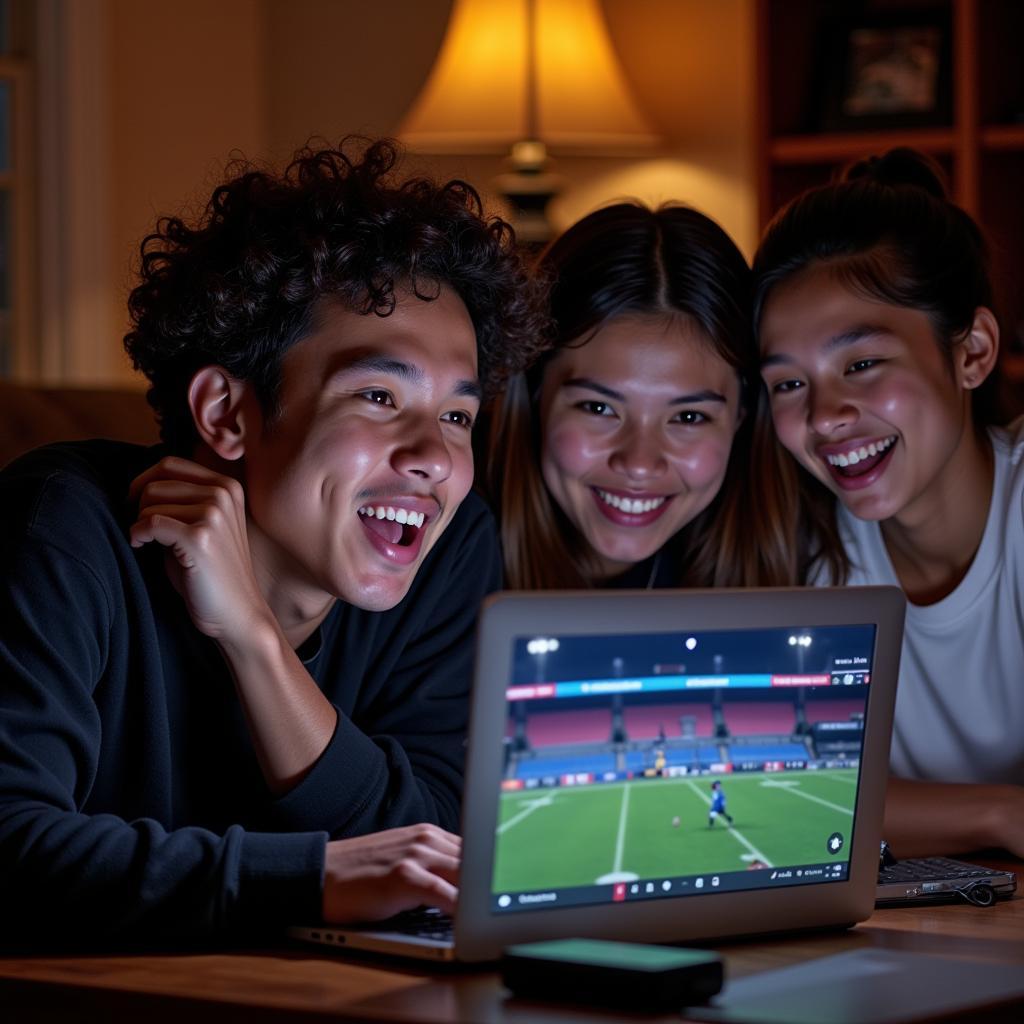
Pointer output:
x,y
817,800
740,838
620,839
839,778
516,818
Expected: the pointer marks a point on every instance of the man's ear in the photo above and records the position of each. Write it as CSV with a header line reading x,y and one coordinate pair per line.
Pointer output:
x,y
219,411
975,356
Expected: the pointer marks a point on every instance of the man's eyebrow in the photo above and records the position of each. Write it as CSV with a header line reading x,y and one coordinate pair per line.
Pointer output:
x,y
374,362
705,395
837,341
469,389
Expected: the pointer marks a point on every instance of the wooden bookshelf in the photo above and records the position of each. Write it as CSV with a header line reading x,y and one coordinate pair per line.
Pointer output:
x,y
979,140
832,147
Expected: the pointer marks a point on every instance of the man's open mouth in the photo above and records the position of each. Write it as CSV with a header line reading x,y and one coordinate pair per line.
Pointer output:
x,y
397,526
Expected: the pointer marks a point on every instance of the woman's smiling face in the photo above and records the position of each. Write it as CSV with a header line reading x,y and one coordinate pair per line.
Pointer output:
x,y
637,425
862,395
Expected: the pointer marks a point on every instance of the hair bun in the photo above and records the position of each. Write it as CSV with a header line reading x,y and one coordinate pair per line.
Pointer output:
x,y
901,167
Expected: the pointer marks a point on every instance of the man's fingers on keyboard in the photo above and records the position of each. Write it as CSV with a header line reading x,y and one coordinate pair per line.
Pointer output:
x,y
433,890
436,838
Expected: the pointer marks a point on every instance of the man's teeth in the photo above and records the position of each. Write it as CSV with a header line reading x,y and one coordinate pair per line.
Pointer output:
x,y
851,458
634,506
400,515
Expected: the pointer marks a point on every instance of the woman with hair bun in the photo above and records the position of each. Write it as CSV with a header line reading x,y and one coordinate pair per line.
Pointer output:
x,y
624,456
874,311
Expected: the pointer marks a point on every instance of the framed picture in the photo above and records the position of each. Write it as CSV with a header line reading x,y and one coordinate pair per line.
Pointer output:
x,y
886,72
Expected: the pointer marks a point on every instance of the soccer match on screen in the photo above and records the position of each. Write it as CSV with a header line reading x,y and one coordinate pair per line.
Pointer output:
x,y
634,761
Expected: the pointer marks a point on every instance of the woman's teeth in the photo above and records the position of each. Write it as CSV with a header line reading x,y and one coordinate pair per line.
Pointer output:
x,y
851,458
399,515
634,506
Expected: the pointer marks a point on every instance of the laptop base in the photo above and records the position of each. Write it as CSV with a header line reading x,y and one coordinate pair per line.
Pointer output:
x,y
941,879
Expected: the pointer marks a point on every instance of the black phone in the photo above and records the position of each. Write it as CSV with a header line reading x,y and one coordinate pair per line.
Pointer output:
x,y
629,974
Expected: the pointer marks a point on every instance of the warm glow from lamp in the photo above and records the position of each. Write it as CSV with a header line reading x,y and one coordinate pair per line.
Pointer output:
x,y
540,71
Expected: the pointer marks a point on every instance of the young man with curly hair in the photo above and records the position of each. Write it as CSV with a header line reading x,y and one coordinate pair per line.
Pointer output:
x,y
234,668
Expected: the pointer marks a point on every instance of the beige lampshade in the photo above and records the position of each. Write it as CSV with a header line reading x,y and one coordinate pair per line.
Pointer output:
x,y
489,88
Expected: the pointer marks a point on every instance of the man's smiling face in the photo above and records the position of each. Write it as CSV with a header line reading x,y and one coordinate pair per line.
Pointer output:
x,y
351,485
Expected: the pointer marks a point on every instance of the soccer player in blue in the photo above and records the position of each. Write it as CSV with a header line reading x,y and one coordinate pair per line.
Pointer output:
x,y
717,804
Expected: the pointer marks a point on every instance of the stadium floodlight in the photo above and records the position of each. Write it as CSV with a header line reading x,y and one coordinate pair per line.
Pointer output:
x,y
541,645
691,643
803,640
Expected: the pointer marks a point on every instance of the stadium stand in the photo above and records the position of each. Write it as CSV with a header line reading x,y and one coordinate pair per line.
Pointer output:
x,y
552,728
706,754
643,721
758,718
831,710
767,752
535,768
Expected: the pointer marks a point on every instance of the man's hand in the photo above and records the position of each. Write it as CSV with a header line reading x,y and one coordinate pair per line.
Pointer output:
x,y
199,517
375,876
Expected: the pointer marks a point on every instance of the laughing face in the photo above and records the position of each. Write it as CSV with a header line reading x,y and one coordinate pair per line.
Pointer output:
x,y
863,396
351,485
637,426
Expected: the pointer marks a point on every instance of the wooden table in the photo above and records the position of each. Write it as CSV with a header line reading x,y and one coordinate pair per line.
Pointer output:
x,y
304,984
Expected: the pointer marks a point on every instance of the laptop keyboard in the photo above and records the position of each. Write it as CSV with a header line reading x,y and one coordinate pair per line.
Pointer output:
x,y
925,869
424,923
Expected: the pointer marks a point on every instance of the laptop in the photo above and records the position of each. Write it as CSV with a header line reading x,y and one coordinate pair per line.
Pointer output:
x,y
939,879
666,766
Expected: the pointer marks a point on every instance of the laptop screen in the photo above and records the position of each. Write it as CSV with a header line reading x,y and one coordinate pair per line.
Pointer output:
x,y
653,766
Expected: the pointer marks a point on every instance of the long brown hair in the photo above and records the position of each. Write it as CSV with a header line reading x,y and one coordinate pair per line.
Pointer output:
x,y
628,259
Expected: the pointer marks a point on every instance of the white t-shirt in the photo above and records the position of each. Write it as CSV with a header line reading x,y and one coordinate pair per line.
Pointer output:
x,y
960,700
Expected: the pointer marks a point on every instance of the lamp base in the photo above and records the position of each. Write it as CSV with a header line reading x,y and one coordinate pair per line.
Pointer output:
x,y
528,193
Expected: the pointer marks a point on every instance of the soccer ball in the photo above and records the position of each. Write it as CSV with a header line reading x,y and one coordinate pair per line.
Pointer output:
x,y
675,821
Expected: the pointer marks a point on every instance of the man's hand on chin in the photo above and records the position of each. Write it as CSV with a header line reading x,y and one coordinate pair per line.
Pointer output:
x,y
198,515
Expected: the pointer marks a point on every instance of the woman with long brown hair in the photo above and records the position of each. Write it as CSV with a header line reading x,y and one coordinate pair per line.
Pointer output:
x,y
628,454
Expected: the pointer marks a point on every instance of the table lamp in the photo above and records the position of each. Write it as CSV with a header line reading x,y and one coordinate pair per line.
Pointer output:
x,y
525,78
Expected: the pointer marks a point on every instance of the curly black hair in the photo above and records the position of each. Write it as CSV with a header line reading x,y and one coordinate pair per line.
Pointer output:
x,y
238,288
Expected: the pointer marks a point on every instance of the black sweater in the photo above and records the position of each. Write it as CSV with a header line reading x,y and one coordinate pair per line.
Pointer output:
x,y
131,800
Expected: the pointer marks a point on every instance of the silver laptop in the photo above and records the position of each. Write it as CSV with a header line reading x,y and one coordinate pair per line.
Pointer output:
x,y
666,766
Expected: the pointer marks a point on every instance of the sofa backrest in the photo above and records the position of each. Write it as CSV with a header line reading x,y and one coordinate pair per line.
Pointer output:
x,y
31,416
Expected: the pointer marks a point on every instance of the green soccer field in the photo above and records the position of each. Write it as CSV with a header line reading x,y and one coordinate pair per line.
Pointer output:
x,y
568,836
